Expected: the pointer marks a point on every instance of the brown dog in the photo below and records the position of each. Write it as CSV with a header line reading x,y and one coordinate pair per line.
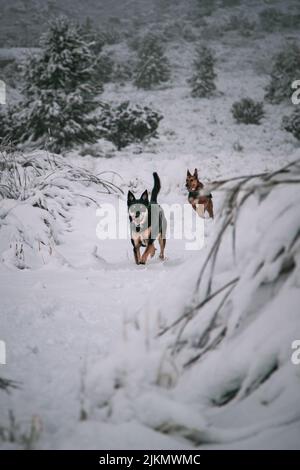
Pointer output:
x,y
199,200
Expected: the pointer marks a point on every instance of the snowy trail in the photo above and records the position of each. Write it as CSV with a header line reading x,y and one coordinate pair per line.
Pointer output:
x,y
71,313
70,317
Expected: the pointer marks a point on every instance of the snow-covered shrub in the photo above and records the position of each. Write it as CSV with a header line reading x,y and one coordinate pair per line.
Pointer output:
x,y
153,66
247,111
128,123
272,19
285,70
241,24
60,91
215,367
110,36
203,80
292,123
19,433
206,7
36,192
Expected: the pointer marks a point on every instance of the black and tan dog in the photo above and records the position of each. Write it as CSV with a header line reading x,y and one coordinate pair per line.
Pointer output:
x,y
200,200
147,223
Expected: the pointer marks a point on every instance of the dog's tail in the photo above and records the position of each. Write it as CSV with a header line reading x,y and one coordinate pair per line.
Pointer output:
x,y
156,188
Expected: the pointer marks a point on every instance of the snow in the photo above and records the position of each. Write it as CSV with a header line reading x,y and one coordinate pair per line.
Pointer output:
x,y
81,320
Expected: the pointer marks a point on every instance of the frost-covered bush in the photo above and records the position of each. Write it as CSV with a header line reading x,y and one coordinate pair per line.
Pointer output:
x,y
292,123
128,123
36,193
19,434
285,70
110,36
203,80
247,111
272,19
60,91
206,7
152,66
241,24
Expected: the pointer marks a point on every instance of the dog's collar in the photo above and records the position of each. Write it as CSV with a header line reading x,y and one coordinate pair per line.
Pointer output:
x,y
194,193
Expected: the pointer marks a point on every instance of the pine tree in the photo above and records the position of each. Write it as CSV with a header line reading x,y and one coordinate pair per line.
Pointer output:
x,y
202,81
285,70
60,90
153,66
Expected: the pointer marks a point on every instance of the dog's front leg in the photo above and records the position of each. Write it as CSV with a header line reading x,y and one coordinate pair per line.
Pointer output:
x,y
200,209
150,250
136,252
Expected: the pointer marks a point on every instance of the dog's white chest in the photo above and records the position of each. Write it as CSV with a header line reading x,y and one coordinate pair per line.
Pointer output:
x,y
141,237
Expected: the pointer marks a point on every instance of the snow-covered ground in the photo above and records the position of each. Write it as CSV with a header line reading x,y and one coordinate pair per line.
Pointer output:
x,y
80,324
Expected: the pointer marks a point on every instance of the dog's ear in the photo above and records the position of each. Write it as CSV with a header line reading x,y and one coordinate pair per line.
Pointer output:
x,y
130,197
196,173
188,173
144,197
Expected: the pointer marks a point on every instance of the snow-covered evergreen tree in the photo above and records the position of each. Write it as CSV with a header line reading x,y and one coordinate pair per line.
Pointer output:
x,y
203,79
286,69
153,66
60,90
